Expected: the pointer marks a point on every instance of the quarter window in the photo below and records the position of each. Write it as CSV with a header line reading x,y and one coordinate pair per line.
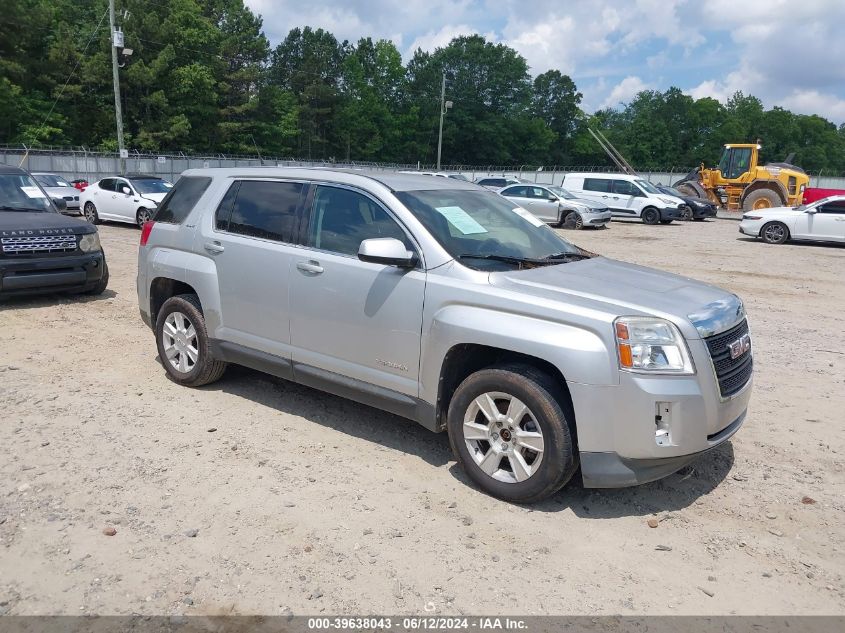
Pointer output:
x,y
265,209
341,219
597,184
181,199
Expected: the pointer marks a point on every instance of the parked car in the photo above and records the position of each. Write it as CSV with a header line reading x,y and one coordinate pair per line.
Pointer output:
x,y
132,198
556,205
79,183
698,209
58,187
627,196
812,194
820,221
439,301
497,182
42,250
441,174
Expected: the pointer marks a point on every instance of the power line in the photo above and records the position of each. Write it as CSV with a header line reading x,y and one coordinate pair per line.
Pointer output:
x,y
67,81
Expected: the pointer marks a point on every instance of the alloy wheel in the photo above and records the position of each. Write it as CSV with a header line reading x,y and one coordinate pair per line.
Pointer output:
x,y
503,437
180,342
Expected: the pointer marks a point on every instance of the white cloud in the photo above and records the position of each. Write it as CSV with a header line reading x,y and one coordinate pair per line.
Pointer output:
x,y
624,91
438,39
814,102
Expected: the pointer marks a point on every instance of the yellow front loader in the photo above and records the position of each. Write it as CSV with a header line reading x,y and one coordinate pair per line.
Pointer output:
x,y
740,183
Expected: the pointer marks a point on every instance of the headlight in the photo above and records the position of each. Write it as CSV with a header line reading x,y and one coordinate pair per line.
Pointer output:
x,y
651,345
90,242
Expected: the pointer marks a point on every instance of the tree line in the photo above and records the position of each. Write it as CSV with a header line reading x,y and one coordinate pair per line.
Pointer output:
x,y
204,78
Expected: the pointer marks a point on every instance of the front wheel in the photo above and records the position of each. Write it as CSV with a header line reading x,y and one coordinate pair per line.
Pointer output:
x,y
774,233
651,216
572,220
89,211
101,286
182,342
509,431
142,217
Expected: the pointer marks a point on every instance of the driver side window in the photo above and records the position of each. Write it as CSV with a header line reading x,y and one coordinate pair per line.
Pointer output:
x,y
341,219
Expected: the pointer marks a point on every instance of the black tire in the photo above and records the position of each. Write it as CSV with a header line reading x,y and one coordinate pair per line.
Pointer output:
x,y
651,216
142,217
774,233
687,215
549,410
205,369
669,221
761,199
699,219
572,221
89,212
101,286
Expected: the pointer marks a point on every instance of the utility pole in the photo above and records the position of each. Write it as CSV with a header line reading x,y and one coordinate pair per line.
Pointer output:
x,y
117,111
444,106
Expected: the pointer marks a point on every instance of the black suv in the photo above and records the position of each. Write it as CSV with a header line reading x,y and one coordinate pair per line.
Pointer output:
x,y
42,250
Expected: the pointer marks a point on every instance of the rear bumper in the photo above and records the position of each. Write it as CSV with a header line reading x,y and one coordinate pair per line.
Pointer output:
x,y
26,276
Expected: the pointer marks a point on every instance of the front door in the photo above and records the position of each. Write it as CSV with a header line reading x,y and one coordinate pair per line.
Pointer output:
x,y
827,223
624,200
250,242
351,318
124,205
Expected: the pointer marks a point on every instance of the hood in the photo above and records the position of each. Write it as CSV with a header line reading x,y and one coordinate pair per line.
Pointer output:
x,y
697,200
14,223
672,199
155,197
778,211
621,288
61,192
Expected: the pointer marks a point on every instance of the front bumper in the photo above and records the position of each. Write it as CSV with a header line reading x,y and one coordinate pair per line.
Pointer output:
x,y
700,213
671,213
646,427
596,219
750,228
72,273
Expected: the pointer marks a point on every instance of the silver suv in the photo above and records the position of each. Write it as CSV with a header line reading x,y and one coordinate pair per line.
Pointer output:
x,y
442,302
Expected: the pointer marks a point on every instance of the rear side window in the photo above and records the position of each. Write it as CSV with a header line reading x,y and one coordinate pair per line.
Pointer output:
x,y
518,192
107,184
181,200
597,184
265,209
492,182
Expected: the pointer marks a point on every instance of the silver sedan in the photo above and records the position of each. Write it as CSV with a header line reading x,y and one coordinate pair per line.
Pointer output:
x,y
555,205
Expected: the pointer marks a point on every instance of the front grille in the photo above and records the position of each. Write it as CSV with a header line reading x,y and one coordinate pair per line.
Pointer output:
x,y
38,245
72,198
732,373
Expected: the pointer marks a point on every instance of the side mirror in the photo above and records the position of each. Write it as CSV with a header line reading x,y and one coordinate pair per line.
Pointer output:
x,y
813,210
60,204
126,190
553,198
388,251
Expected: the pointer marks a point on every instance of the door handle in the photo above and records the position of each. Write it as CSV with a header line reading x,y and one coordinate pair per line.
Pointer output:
x,y
605,196
312,267
214,247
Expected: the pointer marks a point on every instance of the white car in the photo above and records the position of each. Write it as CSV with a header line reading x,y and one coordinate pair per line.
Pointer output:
x,y
58,187
627,196
555,205
131,199
820,221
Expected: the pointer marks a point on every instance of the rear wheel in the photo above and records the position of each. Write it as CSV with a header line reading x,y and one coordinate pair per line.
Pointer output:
x,y
182,342
90,213
761,199
142,217
651,216
572,220
509,432
774,233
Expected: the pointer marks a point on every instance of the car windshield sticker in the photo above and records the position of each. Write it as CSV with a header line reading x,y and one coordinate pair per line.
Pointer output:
x,y
527,216
32,192
167,184
461,220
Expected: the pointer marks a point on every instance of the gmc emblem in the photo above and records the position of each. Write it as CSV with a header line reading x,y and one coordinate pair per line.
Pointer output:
x,y
740,346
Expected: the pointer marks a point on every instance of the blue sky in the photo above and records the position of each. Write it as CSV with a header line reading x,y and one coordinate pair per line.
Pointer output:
x,y
787,53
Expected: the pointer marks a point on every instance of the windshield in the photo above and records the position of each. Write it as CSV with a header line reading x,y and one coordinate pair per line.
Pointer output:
x,y
820,201
459,177
646,186
20,192
670,190
563,193
476,227
49,180
151,185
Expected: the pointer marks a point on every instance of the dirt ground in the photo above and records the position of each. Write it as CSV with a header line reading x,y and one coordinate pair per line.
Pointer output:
x,y
257,496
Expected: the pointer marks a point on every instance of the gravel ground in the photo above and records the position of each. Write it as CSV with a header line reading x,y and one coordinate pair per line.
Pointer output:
x,y
258,496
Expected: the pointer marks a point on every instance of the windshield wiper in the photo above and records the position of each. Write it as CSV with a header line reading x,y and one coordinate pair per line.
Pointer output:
x,y
507,259
569,256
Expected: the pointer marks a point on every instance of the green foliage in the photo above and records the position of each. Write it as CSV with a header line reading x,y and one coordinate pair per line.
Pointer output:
x,y
203,78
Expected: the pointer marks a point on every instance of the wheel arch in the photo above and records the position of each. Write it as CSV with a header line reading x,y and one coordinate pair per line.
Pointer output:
x,y
464,359
163,288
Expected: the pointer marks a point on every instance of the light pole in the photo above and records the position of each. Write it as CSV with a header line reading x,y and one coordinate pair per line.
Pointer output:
x,y
444,106
117,42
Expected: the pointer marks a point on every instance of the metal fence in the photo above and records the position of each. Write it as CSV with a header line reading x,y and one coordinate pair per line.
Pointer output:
x,y
81,162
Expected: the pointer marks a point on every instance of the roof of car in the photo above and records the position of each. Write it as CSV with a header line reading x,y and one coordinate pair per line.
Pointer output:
x,y
11,169
393,180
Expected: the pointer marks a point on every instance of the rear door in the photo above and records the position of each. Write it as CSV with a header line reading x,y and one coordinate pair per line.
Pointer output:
x,y
598,189
250,240
543,204
519,194
101,195
351,318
